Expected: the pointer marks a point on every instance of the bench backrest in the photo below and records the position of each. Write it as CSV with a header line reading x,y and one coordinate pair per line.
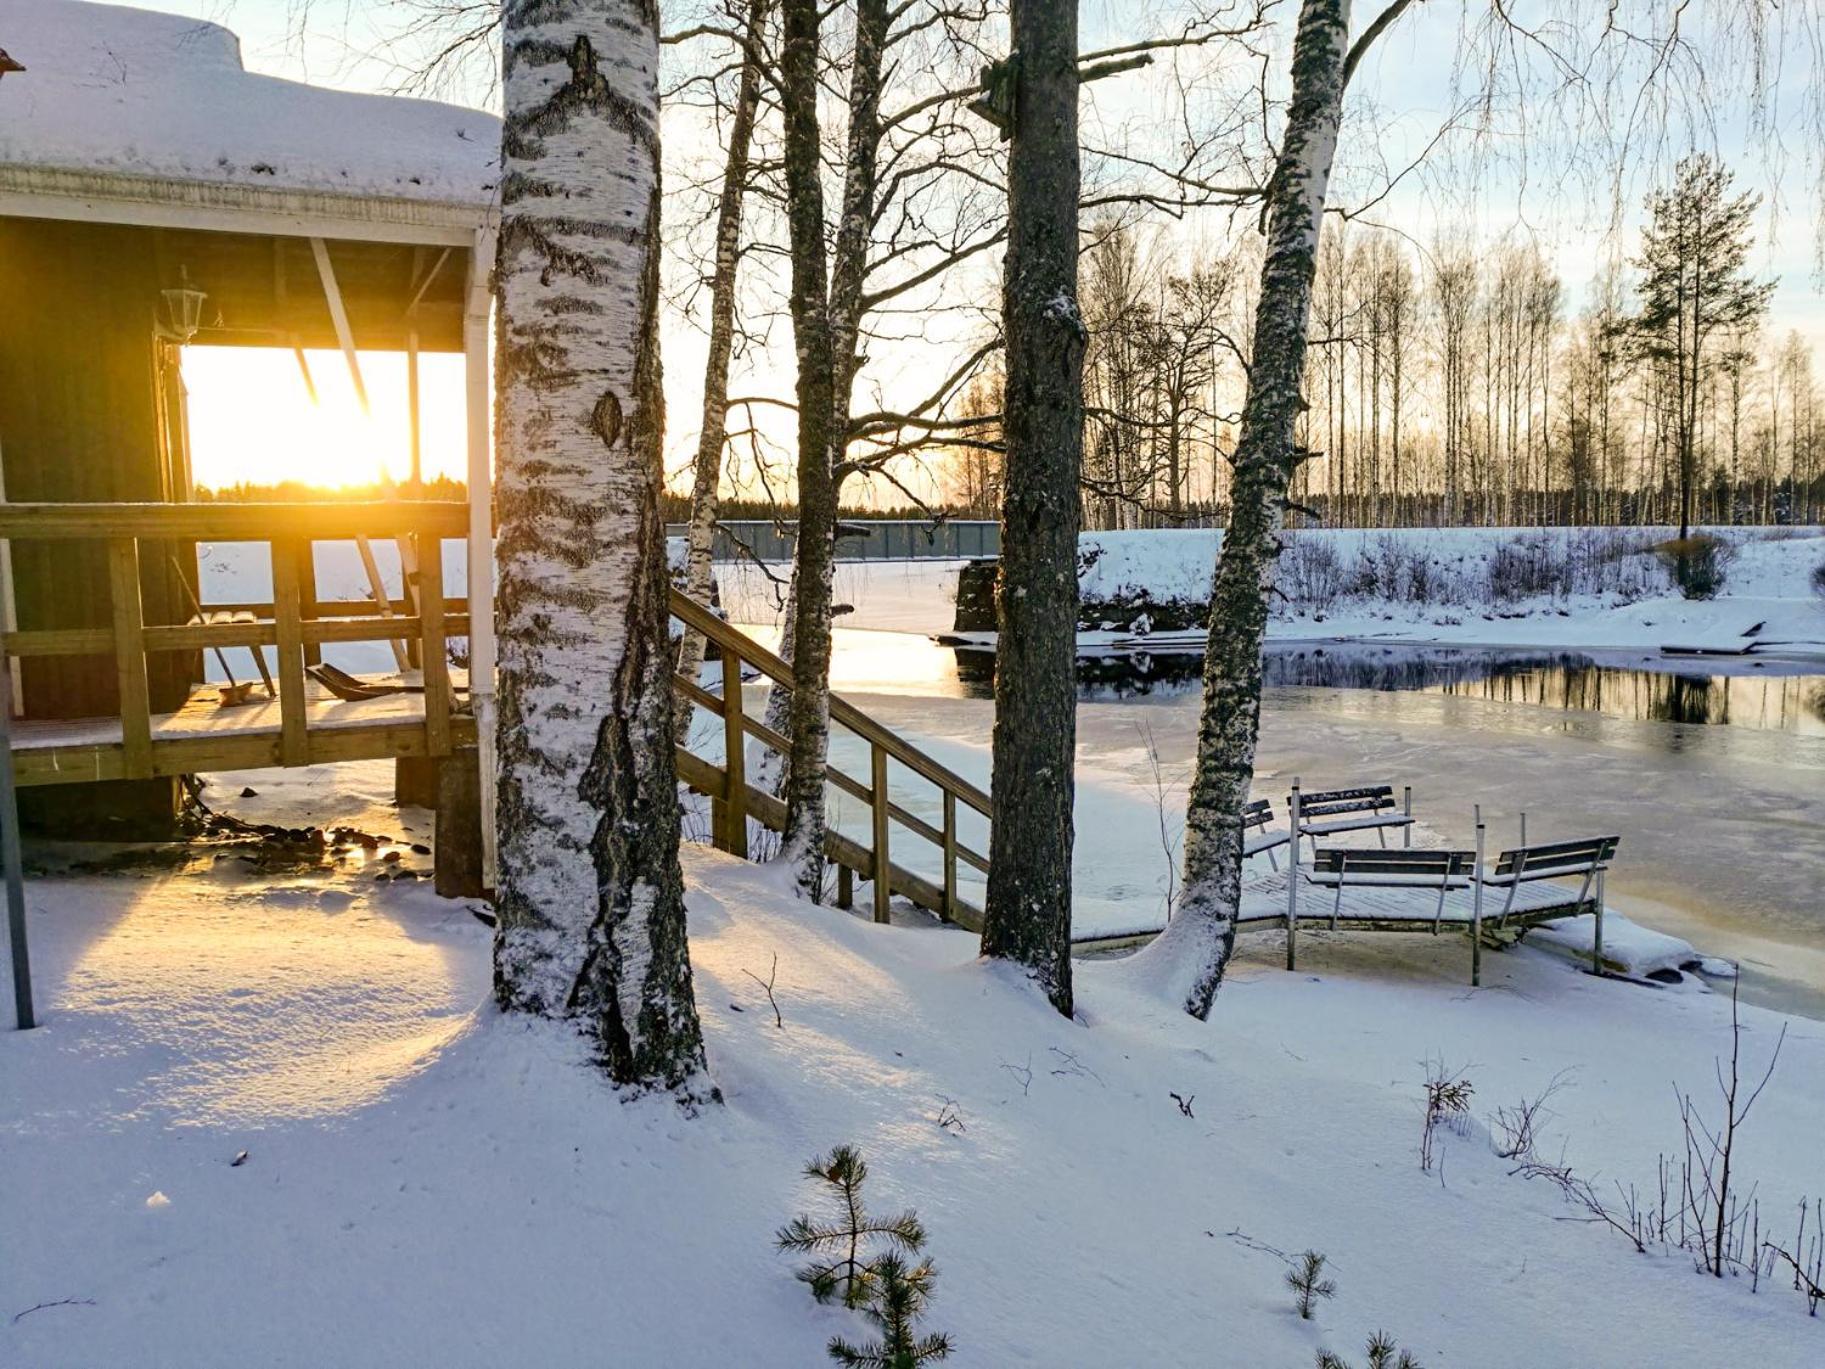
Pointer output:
x,y
1421,867
1557,860
1256,813
1330,802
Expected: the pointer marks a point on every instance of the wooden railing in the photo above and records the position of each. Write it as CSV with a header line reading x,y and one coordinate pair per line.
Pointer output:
x,y
295,623
733,800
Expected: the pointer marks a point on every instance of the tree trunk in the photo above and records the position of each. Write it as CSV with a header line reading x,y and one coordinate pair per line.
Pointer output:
x,y
802,845
592,918
706,471
1193,951
1027,915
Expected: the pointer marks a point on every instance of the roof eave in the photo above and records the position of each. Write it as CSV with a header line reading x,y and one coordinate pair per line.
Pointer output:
x,y
95,196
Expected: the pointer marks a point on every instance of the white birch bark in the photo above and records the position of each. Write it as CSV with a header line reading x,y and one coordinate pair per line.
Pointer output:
x,y
591,898
1189,958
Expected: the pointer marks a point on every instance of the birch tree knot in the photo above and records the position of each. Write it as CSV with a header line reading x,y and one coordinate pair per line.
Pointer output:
x,y
606,418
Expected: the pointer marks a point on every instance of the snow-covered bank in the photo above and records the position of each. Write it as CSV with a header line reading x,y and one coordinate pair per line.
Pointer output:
x,y
1591,589
480,1198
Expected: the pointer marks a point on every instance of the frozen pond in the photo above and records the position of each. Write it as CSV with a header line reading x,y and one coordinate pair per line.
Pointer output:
x,y
1716,783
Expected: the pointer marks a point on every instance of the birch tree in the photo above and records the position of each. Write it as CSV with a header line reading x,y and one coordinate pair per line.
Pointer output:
x,y
802,844
591,897
1027,915
1191,954
706,469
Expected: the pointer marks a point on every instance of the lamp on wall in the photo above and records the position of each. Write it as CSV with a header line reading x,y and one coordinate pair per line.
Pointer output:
x,y
183,308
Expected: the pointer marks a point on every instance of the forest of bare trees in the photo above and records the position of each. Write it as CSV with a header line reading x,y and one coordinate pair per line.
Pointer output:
x,y
1450,382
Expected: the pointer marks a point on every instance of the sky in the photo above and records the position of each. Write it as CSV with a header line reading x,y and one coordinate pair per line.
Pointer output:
x,y
1400,97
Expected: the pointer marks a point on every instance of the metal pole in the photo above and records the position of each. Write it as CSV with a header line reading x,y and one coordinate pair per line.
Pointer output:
x,y
1476,908
1292,878
1406,808
1523,831
10,856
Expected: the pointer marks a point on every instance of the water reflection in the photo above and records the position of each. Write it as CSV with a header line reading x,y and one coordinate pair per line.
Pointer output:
x,y
1565,680
1759,699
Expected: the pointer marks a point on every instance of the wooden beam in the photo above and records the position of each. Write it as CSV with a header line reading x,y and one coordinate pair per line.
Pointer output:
x,y
294,742
332,294
436,660
130,658
319,522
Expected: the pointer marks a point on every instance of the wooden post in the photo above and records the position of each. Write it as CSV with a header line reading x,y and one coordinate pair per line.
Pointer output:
x,y
130,658
734,760
10,854
294,745
845,887
307,600
950,855
436,659
883,894
457,859
1292,879
1597,938
1476,908
1406,807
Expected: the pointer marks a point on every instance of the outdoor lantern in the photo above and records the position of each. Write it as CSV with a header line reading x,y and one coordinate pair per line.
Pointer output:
x,y
183,307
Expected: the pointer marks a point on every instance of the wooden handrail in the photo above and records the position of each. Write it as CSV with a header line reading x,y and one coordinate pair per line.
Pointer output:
x,y
696,616
315,522
733,800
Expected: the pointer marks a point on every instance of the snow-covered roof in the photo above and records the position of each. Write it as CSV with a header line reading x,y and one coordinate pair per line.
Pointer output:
x,y
112,96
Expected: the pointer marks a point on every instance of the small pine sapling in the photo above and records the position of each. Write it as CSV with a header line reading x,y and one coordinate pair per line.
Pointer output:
x,y
1383,1354
1309,1284
849,1274
897,1300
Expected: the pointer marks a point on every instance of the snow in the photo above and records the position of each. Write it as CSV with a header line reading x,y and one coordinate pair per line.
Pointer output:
x,y
1637,611
134,92
429,1182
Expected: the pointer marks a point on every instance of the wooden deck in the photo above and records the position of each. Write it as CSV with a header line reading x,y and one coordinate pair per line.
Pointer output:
x,y
203,735
1370,909
304,724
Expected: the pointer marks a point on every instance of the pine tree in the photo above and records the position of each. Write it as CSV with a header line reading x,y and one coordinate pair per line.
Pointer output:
x,y
898,1300
851,1273
1694,288
1027,913
1309,1284
1383,1354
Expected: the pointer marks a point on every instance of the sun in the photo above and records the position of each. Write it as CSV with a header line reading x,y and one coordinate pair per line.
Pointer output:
x,y
254,420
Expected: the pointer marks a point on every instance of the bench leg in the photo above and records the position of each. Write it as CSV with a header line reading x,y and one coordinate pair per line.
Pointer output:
x,y
1597,939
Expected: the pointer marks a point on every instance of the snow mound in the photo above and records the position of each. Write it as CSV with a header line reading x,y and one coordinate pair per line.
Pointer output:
x,y
133,92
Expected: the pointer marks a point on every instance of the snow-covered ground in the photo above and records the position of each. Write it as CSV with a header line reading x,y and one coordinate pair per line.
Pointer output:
x,y
427,1182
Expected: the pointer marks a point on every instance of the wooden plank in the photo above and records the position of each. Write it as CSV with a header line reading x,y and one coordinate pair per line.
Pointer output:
x,y
883,874
307,598
436,659
735,761
294,742
228,522
75,641
130,658
950,854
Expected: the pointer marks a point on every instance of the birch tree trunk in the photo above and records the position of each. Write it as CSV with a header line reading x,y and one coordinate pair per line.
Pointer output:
x,y
591,897
802,844
1027,915
706,471
1191,954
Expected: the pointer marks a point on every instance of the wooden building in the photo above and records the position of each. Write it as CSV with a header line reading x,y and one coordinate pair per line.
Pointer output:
x,y
155,194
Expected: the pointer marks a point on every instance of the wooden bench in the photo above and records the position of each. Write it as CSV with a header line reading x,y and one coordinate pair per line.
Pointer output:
x,y
1326,812
1257,814
1585,860
1444,871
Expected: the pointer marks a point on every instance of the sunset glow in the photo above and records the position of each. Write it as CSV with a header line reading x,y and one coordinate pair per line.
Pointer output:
x,y
253,420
